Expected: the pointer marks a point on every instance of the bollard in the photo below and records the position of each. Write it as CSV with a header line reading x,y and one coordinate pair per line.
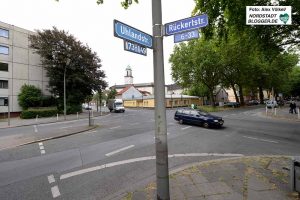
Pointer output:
x,y
298,113
92,113
266,110
36,118
57,117
275,111
77,115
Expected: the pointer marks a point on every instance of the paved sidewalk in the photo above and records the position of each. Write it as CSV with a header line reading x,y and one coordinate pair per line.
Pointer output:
x,y
243,178
16,121
282,113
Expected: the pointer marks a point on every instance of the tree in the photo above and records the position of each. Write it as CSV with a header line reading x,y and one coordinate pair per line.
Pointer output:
x,y
63,53
125,3
112,93
196,63
30,96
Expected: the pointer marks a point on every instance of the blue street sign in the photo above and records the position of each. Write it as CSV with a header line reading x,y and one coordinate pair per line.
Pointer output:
x,y
129,33
187,24
186,36
135,48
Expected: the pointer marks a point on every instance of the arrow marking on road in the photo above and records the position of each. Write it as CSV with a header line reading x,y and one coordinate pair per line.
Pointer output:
x,y
119,150
55,191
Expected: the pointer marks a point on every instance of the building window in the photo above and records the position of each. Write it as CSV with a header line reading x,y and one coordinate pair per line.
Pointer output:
x,y
4,50
3,84
4,67
4,33
3,101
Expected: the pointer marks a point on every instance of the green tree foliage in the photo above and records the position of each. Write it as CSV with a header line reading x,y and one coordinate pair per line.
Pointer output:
x,y
62,52
125,3
30,96
195,63
112,94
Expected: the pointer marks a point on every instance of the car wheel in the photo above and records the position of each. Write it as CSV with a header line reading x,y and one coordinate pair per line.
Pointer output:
x,y
180,121
205,125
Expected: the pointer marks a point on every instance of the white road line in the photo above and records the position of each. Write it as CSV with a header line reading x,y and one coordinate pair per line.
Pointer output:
x,y
55,191
99,167
134,124
40,143
91,132
115,127
119,150
43,151
51,179
185,127
65,127
253,138
35,129
42,147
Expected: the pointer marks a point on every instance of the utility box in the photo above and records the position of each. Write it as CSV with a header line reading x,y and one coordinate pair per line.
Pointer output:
x,y
295,174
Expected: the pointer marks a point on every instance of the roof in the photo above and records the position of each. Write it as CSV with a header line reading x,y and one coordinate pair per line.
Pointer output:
x,y
166,97
174,87
124,89
135,85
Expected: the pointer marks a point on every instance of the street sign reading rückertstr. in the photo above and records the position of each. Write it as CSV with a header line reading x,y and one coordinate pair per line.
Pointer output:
x,y
185,25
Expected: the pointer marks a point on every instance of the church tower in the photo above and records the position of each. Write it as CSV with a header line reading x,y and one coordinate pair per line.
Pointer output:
x,y
128,77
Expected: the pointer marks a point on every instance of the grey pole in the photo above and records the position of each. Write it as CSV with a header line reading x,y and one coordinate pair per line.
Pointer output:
x,y
162,169
65,104
8,111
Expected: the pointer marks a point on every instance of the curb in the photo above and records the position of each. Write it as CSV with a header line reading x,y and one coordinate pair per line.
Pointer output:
x,y
52,122
51,138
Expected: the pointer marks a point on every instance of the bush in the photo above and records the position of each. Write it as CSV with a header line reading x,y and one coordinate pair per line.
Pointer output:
x,y
41,112
30,96
72,109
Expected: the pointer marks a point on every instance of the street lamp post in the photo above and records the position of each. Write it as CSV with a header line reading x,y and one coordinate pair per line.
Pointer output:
x,y
65,101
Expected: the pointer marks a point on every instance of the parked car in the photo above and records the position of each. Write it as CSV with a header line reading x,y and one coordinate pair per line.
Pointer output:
x,y
252,102
197,117
271,104
232,104
87,107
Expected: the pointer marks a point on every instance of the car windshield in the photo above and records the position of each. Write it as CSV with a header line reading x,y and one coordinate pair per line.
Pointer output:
x,y
119,104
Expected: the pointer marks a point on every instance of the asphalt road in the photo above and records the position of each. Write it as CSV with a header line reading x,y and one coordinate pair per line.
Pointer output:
x,y
119,155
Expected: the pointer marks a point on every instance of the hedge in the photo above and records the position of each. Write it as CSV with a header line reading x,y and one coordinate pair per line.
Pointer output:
x,y
40,112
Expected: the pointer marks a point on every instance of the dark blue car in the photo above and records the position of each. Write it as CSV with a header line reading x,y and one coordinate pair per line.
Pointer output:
x,y
198,117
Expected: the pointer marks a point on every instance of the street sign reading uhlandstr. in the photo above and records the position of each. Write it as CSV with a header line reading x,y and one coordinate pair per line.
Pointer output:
x,y
187,24
186,36
135,48
129,33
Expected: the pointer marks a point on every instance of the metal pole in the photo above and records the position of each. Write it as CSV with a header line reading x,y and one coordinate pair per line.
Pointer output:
x,y
65,103
8,111
162,169
89,114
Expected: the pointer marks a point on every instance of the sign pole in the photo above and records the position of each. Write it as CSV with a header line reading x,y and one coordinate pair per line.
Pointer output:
x,y
162,168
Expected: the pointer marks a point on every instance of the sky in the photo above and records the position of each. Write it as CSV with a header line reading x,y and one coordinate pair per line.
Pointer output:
x,y
92,24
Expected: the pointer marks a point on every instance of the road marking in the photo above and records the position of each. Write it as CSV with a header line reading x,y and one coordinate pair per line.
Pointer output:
x,y
55,191
185,127
42,147
119,150
99,167
91,132
253,138
40,143
152,120
35,128
43,151
115,127
134,124
51,179
65,127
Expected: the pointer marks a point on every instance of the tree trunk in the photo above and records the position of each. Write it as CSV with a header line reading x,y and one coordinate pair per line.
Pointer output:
x,y
241,96
212,98
97,100
261,95
235,94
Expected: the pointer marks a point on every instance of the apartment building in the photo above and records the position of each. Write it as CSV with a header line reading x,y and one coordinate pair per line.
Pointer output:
x,y
18,66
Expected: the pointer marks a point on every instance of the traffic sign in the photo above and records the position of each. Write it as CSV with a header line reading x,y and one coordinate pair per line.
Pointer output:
x,y
187,24
186,36
135,48
129,33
